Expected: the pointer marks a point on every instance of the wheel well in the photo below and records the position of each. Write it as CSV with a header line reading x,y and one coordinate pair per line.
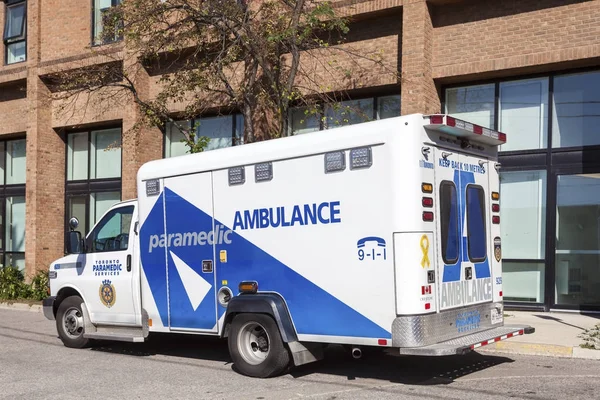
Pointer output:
x,y
230,316
63,294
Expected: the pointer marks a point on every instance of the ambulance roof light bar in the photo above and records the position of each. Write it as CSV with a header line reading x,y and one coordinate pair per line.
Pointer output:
x,y
456,127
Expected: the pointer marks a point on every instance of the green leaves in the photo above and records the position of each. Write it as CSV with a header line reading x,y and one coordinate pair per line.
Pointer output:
x,y
13,285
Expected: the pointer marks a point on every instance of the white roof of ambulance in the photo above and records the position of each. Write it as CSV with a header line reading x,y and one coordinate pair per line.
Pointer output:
x,y
277,149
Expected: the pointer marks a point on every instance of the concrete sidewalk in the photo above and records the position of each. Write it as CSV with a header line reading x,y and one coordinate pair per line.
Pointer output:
x,y
556,333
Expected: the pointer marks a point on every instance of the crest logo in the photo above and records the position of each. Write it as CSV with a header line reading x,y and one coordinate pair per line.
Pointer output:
x,y
107,292
497,249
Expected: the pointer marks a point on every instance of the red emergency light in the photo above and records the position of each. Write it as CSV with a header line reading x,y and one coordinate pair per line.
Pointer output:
x,y
459,128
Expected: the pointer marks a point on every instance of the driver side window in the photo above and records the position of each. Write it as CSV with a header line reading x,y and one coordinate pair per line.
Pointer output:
x,y
112,232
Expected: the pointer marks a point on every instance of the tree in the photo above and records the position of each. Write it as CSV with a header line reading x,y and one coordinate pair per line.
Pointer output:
x,y
255,57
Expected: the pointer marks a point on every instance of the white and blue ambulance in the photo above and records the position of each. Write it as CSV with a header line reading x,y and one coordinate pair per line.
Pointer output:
x,y
382,234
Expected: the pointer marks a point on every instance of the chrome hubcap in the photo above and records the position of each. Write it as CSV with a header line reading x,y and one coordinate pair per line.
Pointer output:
x,y
253,343
73,323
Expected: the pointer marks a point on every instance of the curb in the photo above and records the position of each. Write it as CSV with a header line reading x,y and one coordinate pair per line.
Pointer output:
x,y
21,307
539,349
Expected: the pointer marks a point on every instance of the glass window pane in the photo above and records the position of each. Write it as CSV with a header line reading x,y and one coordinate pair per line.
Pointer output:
x,y
578,240
112,232
304,120
388,106
474,104
16,52
349,113
239,129
523,214
15,161
77,209
100,203
99,5
449,222
105,154
524,114
15,21
15,260
476,233
576,112
2,158
523,281
218,129
15,223
173,139
77,156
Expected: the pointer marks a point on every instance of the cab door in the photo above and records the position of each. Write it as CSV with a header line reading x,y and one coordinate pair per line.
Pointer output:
x,y
108,272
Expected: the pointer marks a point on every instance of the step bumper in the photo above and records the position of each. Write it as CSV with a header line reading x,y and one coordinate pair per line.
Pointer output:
x,y
466,344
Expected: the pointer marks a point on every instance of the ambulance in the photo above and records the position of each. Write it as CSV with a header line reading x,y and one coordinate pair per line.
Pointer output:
x,y
384,234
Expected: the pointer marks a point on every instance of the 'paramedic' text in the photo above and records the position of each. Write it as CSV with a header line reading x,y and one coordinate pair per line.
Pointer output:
x,y
218,236
307,214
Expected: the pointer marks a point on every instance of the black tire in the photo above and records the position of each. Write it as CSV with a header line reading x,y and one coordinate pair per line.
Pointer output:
x,y
69,323
277,359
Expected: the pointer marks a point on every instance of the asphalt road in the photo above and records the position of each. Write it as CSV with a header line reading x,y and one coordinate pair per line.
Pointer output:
x,y
35,365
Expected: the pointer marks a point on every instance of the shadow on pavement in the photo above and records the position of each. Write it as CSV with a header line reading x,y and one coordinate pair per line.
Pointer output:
x,y
374,364
413,370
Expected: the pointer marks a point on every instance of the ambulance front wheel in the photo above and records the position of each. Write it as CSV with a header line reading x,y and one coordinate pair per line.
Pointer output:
x,y
70,324
256,347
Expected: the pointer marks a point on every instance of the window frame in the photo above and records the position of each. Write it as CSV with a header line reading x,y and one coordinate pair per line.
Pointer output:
x,y
7,191
483,208
322,113
87,187
12,40
235,140
94,40
445,233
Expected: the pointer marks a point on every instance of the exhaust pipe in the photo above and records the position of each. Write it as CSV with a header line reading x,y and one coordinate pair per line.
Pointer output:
x,y
356,353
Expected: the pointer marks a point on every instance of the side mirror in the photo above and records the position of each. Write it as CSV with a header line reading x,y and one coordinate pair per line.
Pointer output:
x,y
74,242
73,223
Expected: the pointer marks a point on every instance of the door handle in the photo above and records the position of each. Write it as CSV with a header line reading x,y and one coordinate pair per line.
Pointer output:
x,y
128,262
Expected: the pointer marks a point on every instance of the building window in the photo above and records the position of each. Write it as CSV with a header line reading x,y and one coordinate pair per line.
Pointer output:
x,y
578,240
472,103
523,108
523,216
101,7
15,31
223,131
93,175
576,112
12,203
350,112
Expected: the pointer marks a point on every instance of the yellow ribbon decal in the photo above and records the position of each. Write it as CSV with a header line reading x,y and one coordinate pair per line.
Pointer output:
x,y
425,250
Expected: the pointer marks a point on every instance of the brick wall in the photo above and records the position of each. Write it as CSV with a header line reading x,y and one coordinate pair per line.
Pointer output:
x,y
65,28
419,93
471,39
433,42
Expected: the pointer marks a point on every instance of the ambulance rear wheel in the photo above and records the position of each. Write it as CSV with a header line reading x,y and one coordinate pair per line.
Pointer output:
x,y
70,324
256,347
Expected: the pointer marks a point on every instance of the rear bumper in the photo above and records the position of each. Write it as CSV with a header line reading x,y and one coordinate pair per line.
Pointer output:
x,y
48,307
429,329
469,343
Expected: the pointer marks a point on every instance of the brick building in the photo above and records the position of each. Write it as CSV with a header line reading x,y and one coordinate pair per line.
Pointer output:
x,y
529,68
